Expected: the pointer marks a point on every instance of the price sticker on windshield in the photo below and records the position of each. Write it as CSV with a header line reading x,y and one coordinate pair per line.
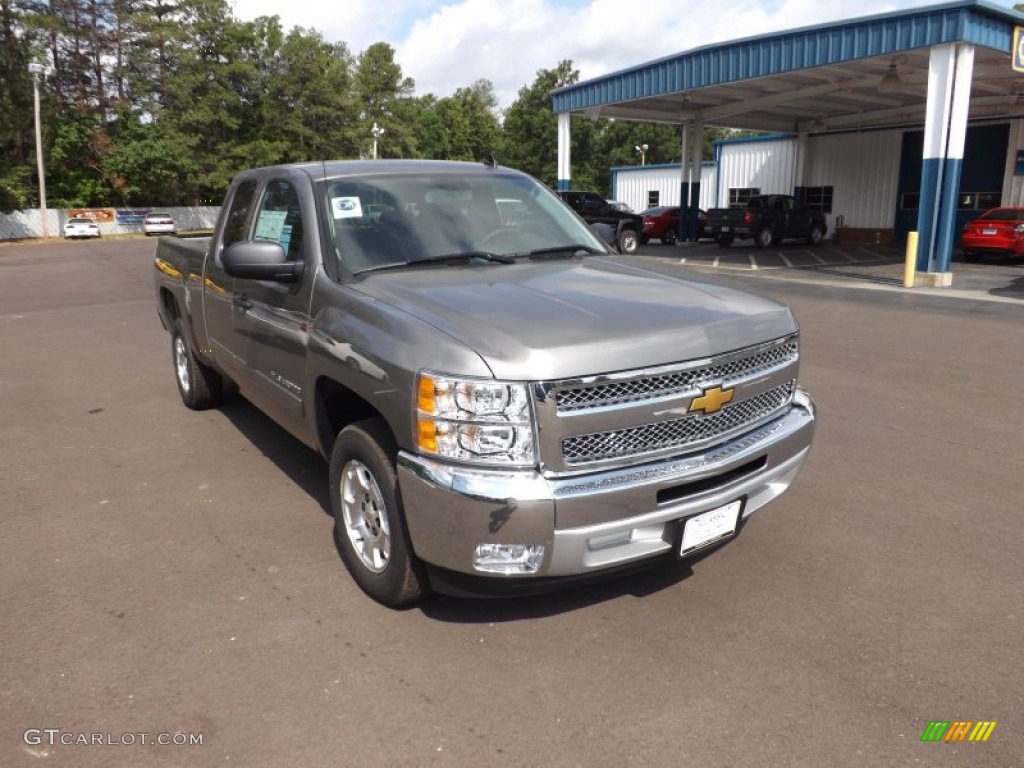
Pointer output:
x,y
346,207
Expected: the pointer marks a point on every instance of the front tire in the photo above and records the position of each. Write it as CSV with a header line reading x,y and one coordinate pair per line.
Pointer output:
x,y
200,386
628,241
369,520
765,238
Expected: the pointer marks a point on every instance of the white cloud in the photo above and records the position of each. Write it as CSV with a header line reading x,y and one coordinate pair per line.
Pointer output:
x,y
444,46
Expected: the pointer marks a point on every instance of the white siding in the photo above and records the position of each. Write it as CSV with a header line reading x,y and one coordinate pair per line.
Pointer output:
x,y
632,185
1013,185
765,165
863,170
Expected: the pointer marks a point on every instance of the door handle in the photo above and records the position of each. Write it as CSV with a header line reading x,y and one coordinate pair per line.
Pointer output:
x,y
243,302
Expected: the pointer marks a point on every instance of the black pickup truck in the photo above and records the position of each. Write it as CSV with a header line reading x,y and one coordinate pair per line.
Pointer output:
x,y
594,209
766,219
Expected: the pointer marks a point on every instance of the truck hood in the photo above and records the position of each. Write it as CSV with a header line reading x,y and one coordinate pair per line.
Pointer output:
x,y
562,319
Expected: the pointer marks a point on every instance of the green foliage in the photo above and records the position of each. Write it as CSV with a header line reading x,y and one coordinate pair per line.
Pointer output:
x,y
534,126
387,100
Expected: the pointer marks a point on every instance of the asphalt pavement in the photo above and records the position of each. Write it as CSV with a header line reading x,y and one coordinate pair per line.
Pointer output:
x,y
172,573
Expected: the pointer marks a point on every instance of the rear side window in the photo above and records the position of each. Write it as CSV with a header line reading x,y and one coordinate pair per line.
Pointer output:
x,y
280,218
238,213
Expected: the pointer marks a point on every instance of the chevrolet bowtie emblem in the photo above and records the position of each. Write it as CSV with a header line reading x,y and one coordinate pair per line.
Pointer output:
x,y
711,400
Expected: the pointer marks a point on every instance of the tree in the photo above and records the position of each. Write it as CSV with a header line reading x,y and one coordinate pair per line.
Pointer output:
x,y
531,127
16,121
386,98
313,109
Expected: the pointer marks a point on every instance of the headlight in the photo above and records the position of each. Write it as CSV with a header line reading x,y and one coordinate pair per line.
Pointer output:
x,y
474,420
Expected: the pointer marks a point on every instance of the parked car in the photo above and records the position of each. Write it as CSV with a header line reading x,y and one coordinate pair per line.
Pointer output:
x,y
766,219
80,226
998,232
662,223
158,224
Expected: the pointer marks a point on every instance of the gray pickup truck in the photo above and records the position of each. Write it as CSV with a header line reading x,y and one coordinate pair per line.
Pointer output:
x,y
505,404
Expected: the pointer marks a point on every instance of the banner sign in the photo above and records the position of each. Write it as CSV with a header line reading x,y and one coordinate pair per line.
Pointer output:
x,y
131,217
96,214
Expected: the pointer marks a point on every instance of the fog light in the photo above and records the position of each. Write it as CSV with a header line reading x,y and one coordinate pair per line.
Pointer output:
x,y
508,558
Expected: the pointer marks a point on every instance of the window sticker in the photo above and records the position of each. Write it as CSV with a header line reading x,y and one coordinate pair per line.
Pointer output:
x,y
270,224
286,237
346,207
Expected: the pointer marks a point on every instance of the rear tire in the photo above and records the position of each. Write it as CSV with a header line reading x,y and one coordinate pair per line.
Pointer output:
x,y
628,241
815,236
200,386
369,520
765,238
669,238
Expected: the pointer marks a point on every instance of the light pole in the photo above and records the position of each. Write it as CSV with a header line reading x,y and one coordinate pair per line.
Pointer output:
x,y
377,132
37,70
642,149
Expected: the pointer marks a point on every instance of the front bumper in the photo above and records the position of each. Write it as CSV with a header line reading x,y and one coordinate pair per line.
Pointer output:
x,y
450,509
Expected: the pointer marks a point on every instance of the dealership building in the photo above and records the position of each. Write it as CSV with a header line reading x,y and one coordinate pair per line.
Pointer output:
x,y
907,121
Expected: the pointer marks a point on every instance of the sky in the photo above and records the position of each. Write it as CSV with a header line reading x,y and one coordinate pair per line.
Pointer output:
x,y
448,44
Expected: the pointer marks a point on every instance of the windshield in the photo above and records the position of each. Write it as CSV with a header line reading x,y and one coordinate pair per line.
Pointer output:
x,y
397,219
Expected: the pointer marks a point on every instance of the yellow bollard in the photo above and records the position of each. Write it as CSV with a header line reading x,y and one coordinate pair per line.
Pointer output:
x,y
910,266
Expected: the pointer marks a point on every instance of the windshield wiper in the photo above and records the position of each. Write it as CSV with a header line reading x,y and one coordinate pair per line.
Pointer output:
x,y
462,257
466,256
576,248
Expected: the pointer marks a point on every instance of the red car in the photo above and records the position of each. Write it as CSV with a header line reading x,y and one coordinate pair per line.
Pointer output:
x,y
662,223
997,232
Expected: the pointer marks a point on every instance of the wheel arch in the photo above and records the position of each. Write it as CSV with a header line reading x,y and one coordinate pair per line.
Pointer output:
x,y
336,406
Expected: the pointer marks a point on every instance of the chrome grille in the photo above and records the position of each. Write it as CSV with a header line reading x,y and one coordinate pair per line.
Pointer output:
x,y
749,363
689,431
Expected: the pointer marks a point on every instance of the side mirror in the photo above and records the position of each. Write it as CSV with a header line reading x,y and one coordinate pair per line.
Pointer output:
x,y
261,260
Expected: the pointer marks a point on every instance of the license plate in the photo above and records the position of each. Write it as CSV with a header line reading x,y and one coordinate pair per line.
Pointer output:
x,y
708,527
988,231
725,229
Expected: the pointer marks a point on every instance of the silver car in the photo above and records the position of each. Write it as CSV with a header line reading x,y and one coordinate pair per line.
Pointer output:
x,y
158,224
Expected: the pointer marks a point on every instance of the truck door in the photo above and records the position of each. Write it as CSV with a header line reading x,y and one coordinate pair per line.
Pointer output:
x,y
219,310
274,317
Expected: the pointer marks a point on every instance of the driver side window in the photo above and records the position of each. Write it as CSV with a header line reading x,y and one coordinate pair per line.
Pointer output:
x,y
280,218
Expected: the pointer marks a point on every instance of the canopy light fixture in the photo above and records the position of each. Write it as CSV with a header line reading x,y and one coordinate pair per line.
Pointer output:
x,y
891,80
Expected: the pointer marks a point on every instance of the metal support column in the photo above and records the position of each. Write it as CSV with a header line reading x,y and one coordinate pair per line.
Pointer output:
x,y
689,188
950,68
564,152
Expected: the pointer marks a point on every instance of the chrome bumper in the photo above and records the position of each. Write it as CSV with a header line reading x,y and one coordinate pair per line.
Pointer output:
x,y
591,522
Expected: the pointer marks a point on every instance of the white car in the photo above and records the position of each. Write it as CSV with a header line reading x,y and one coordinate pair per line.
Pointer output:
x,y
81,227
158,224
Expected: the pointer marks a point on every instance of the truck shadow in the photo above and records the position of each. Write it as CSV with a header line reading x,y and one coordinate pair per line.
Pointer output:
x,y
493,610
654,578
1014,289
303,466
